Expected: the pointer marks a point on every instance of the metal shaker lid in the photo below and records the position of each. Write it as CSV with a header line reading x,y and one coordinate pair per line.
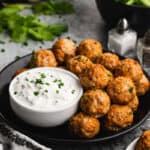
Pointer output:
x,y
146,38
122,26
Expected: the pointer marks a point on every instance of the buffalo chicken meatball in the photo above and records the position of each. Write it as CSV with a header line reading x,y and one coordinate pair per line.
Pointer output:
x,y
95,103
142,86
79,64
43,58
64,49
134,103
96,77
118,117
84,126
109,60
144,142
121,90
129,68
90,48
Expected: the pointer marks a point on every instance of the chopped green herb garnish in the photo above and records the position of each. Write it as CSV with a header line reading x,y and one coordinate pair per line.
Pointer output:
x,y
55,80
36,93
47,83
43,75
46,91
75,41
17,57
94,59
57,91
2,42
2,50
26,79
73,91
131,89
25,43
39,81
32,81
68,37
15,92
60,85
94,88
79,58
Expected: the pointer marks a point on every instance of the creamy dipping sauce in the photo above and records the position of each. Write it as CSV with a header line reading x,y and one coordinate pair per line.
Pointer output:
x,y
46,88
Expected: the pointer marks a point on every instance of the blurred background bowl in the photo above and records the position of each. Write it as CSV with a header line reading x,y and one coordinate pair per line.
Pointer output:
x,y
138,16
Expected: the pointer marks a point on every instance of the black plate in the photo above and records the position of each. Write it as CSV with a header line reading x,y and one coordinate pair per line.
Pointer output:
x,y
56,134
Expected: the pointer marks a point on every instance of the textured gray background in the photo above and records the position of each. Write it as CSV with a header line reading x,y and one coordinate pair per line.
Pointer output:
x,y
85,23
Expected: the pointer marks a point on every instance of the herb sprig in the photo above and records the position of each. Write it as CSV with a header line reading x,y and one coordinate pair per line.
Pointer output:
x,y
53,7
29,26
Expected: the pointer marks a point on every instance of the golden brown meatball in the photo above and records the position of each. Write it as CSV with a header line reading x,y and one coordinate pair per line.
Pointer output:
x,y
134,103
19,71
121,90
118,117
144,141
109,60
95,103
142,86
79,64
129,68
64,49
43,58
96,77
90,48
84,126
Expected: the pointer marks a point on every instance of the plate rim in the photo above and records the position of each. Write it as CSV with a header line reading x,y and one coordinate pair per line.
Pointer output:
x,y
72,141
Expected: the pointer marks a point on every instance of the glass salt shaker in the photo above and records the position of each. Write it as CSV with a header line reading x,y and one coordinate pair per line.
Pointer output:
x,y
122,40
143,51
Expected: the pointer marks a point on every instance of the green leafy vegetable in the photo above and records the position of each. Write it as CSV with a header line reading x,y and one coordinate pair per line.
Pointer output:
x,y
36,93
21,28
53,7
17,6
145,3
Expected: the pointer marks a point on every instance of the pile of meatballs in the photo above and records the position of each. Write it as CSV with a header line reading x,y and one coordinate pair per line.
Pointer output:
x,y
111,86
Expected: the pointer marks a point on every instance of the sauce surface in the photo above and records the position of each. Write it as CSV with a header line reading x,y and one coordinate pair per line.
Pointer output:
x,y
46,88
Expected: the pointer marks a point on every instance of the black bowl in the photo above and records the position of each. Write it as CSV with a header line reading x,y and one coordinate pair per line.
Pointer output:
x,y
58,134
138,16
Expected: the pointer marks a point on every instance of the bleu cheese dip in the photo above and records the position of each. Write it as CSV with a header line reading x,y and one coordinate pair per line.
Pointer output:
x,y
46,88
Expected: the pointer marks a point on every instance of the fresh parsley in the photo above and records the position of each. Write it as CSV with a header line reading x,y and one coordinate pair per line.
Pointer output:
x,y
21,28
38,81
2,50
43,75
73,91
53,7
36,93
57,91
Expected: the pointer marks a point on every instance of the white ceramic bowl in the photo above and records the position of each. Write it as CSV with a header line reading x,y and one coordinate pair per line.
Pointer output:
x,y
132,145
44,118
